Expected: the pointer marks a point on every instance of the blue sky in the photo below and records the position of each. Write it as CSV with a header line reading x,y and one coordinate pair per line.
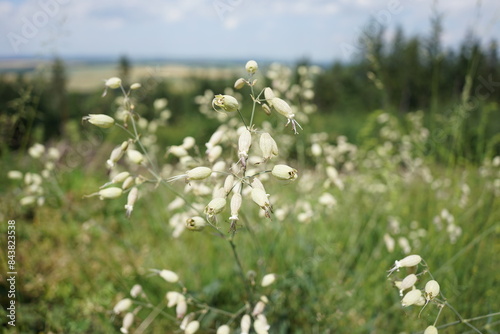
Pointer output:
x,y
320,30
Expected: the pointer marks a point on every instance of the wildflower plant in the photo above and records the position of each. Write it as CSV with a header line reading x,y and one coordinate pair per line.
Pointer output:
x,y
419,288
229,176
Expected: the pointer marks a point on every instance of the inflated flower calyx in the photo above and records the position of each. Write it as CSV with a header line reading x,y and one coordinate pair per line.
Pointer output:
x,y
251,66
100,120
195,223
225,103
284,172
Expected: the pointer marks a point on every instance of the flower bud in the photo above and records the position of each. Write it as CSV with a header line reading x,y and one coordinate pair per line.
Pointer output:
x,y
181,308
188,143
113,82
260,197
36,151
136,290
268,280
251,66
198,173
236,201
131,198
116,155
178,151
259,307
268,146
173,297
169,276
260,324
214,153
129,181
14,175
431,289
282,107
195,223
186,320
409,261
284,172
412,297
215,206
224,329
110,193
135,86
135,156
27,200
244,143
239,83
245,324
128,320
269,95
192,327
266,109
122,305
100,120
225,102
431,330
120,177
407,283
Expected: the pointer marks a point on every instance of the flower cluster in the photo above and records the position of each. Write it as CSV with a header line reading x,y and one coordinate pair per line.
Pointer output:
x,y
190,312
36,186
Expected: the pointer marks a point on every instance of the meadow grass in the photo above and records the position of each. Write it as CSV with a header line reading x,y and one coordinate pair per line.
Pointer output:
x,y
78,259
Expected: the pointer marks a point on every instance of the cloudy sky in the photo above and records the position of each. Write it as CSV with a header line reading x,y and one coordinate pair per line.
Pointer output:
x,y
320,30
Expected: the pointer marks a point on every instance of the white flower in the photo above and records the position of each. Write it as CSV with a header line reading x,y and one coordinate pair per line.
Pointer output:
x,y
198,173
284,172
195,223
128,320
136,290
260,306
110,193
246,321
224,329
36,150
135,86
113,82
238,84
431,330
15,175
244,143
431,289
251,66
122,305
215,206
100,120
260,324
181,308
268,280
408,282
409,261
169,276
225,103
192,327
135,156
260,197
188,143
268,146
269,95
284,109
412,297
131,198
235,205
27,200
173,297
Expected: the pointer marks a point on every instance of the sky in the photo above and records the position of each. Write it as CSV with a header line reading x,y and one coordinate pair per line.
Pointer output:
x,y
286,30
